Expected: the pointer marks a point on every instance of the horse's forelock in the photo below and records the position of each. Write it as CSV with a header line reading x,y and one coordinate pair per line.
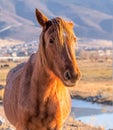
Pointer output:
x,y
63,27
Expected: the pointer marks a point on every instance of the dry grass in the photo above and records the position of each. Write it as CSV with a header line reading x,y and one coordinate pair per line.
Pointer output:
x,y
4,71
95,71
96,79
3,74
91,71
86,89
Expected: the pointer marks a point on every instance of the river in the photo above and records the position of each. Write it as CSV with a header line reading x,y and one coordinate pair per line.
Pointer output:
x,y
95,114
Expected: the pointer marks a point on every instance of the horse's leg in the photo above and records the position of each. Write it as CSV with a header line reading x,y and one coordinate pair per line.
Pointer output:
x,y
59,125
54,129
20,127
59,128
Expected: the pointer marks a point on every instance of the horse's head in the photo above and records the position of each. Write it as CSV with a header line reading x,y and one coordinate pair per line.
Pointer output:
x,y
57,43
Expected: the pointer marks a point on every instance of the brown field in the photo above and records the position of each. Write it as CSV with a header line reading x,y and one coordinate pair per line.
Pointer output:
x,y
4,71
86,89
95,70
96,79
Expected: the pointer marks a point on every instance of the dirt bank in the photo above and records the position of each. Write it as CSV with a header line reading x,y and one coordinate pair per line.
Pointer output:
x,y
99,91
78,125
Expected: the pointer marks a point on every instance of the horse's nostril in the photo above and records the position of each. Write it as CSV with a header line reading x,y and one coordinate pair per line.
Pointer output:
x,y
76,76
67,75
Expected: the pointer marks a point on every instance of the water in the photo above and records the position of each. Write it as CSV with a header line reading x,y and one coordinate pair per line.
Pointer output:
x,y
95,114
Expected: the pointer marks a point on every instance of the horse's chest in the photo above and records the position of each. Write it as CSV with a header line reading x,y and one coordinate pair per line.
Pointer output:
x,y
50,113
44,121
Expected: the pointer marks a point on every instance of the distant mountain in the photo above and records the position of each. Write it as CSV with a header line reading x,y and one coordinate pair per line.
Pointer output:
x,y
93,18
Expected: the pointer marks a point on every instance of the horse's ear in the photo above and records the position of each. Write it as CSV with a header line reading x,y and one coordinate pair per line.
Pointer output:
x,y
41,18
71,24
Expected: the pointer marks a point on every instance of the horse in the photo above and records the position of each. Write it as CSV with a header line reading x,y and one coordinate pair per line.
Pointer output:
x,y
36,94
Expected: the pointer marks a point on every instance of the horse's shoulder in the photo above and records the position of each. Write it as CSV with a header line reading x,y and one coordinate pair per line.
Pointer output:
x,y
32,58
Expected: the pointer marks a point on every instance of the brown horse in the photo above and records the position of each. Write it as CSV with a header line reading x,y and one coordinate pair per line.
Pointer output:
x,y
36,94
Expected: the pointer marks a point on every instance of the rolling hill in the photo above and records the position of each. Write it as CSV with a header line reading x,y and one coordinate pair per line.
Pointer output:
x,y
93,19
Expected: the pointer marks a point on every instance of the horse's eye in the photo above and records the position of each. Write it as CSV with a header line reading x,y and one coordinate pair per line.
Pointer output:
x,y
51,41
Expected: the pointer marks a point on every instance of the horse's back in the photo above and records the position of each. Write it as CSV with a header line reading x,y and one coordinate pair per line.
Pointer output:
x,y
14,73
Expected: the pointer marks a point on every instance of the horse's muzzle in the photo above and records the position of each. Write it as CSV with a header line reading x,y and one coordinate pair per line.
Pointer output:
x,y
70,78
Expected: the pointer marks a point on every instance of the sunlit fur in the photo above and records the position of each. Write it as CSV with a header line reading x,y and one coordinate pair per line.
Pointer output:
x,y
36,94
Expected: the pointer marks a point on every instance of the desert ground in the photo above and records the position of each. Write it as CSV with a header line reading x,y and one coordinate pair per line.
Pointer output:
x,y
95,85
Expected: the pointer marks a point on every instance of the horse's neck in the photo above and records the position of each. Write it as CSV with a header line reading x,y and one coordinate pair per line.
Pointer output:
x,y
43,78
46,86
